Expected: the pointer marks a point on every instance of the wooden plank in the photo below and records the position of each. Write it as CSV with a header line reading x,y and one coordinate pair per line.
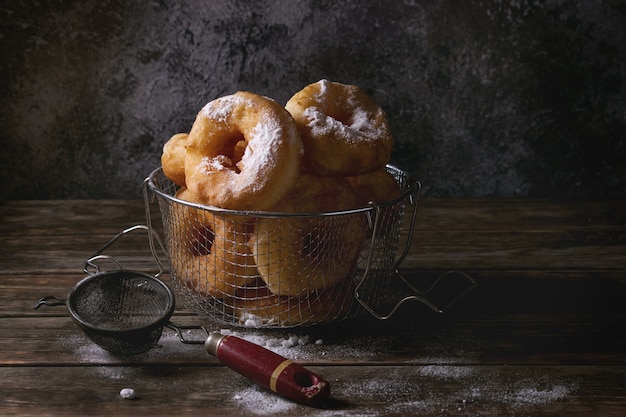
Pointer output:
x,y
69,217
498,292
367,390
503,340
487,249
512,317
518,214
504,234
600,249
68,254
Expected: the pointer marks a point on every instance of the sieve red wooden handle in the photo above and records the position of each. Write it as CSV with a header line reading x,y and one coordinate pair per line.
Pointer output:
x,y
269,369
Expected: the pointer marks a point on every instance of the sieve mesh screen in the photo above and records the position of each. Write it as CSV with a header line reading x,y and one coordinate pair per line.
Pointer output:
x,y
121,301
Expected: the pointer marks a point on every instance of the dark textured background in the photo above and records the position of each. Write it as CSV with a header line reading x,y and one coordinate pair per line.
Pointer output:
x,y
486,98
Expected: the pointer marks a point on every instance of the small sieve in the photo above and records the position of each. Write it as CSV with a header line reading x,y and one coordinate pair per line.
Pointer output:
x,y
121,311
124,312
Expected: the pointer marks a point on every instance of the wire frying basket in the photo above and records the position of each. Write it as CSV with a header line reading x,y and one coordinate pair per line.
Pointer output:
x,y
262,269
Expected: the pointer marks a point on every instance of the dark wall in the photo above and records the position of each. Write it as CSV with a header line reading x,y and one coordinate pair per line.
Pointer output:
x,y
486,98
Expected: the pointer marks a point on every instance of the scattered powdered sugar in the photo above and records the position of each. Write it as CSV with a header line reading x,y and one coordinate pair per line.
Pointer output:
x,y
292,346
534,395
402,390
404,395
306,347
445,372
87,351
465,388
90,353
127,393
262,403
169,346
250,320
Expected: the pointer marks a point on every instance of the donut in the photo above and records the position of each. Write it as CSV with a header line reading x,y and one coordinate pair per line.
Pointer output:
x,y
256,306
317,194
378,187
243,153
344,132
209,251
173,158
299,254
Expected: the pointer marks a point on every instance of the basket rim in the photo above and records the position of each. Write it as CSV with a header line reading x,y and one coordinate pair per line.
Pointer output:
x,y
412,186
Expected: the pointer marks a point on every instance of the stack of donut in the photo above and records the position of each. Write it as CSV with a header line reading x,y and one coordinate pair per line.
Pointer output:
x,y
325,151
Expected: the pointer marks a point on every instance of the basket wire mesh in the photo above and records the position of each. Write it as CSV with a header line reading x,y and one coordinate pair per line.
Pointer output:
x,y
262,269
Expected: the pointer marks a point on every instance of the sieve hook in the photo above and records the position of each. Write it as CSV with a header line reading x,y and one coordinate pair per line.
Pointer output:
x,y
50,301
179,332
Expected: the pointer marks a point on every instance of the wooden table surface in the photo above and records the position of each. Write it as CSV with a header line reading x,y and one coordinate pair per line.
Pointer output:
x,y
543,333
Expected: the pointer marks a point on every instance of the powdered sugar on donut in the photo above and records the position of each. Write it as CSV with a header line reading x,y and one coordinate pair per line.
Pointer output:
x,y
221,109
344,131
323,92
261,145
359,129
217,163
361,121
266,136
260,151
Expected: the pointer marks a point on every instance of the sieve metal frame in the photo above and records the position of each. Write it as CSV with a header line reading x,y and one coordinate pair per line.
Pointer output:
x,y
130,340
73,298
150,332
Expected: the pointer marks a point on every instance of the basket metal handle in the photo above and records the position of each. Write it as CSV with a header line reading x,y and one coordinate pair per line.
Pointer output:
x,y
91,267
416,295
152,235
